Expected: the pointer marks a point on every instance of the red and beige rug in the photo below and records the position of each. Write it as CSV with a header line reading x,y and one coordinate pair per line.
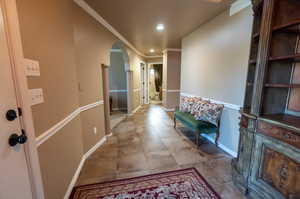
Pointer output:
x,y
180,184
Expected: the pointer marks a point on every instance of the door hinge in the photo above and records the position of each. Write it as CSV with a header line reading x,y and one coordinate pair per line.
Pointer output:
x,y
20,111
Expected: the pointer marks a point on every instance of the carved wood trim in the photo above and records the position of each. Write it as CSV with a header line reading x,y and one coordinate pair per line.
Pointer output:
x,y
281,172
244,122
279,133
263,52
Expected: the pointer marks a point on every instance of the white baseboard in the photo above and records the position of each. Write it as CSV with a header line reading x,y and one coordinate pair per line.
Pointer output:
x,y
95,147
74,179
119,109
78,170
169,109
222,146
134,111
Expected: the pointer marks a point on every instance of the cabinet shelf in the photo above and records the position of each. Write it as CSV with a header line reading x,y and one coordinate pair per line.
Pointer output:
x,y
286,25
282,85
295,58
286,119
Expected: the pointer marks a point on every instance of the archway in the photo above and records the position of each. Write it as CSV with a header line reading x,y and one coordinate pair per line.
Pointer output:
x,y
119,99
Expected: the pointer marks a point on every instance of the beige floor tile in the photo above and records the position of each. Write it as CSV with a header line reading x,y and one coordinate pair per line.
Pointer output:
x,y
146,143
133,162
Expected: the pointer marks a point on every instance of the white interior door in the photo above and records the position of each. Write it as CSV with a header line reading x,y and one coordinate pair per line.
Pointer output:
x,y
14,178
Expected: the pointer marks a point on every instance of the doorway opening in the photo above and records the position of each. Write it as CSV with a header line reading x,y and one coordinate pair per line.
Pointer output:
x,y
118,85
155,83
144,85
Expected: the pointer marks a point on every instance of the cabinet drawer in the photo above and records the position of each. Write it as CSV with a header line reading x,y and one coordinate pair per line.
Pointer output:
x,y
279,133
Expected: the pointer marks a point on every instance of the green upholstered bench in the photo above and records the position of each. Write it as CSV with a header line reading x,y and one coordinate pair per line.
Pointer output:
x,y
198,126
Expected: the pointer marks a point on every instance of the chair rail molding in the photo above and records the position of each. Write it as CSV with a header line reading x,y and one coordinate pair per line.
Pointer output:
x,y
118,91
173,91
57,127
227,105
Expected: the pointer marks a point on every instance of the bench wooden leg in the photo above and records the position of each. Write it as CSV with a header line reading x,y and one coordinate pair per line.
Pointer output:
x,y
217,138
197,137
174,122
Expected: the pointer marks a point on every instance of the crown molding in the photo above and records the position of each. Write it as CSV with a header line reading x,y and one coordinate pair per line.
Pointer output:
x,y
171,50
239,5
101,20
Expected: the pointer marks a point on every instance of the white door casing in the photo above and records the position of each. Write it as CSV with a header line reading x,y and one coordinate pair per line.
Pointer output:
x,y
14,180
12,67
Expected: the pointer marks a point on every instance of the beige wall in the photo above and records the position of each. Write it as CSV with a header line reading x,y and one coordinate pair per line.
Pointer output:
x,y
59,158
154,60
214,65
70,47
171,79
135,66
47,36
92,47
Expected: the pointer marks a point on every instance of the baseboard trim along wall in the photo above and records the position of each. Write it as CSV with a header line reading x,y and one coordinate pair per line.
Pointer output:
x,y
222,146
135,110
227,105
169,109
120,109
83,159
57,127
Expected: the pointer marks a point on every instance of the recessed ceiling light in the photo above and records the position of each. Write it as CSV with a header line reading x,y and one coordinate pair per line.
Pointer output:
x,y
152,50
160,27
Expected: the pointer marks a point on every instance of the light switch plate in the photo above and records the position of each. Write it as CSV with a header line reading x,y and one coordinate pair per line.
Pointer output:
x,y
37,96
32,67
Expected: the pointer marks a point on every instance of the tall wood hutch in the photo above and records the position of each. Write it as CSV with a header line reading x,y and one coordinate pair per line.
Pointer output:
x,y
268,162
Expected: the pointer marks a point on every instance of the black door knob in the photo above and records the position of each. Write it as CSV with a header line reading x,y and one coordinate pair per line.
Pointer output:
x,y
15,139
11,115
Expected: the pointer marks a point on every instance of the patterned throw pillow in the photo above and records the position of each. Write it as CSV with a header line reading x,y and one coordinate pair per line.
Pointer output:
x,y
209,112
186,103
197,106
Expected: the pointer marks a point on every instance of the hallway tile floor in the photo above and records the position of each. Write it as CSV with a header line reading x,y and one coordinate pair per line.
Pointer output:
x,y
147,143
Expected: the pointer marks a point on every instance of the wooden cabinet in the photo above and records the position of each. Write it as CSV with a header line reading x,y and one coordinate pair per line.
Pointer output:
x,y
268,162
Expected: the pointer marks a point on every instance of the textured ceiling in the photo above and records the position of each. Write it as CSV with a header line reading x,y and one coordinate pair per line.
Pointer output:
x,y
136,19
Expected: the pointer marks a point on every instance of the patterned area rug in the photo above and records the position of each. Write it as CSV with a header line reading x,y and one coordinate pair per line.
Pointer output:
x,y
180,184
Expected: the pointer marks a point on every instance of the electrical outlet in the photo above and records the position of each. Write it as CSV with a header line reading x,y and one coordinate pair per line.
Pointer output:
x,y
37,96
95,130
32,67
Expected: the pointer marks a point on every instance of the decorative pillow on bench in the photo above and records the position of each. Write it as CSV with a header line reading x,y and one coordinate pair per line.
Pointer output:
x,y
186,103
207,111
